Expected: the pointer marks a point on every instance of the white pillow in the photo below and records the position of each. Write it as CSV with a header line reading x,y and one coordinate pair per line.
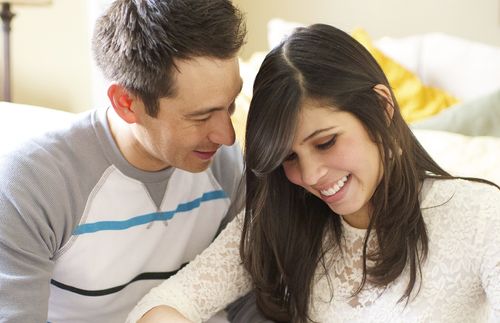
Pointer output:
x,y
405,50
19,122
464,68
278,29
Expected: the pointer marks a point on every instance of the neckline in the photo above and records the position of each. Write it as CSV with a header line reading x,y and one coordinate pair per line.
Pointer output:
x,y
349,229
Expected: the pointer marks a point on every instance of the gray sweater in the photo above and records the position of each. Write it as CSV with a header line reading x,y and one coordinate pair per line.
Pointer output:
x,y
84,235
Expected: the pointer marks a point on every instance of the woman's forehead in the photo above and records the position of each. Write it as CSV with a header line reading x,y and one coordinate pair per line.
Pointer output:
x,y
318,109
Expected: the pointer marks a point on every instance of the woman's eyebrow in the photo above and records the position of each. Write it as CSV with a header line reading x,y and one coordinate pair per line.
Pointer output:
x,y
317,132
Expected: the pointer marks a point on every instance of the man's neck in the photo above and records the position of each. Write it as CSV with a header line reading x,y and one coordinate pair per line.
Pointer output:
x,y
130,148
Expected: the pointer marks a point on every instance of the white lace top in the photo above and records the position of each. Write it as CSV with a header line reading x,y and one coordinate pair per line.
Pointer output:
x,y
460,276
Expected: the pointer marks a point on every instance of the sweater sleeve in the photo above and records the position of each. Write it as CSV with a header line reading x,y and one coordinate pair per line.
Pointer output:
x,y
28,239
207,284
25,268
490,247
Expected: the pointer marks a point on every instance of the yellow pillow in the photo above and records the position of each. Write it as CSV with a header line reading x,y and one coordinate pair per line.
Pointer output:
x,y
416,100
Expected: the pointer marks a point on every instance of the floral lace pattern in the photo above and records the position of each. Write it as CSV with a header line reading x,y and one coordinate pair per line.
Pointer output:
x,y
461,274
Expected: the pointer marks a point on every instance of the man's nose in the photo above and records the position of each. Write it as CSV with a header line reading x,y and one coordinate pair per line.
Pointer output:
x,y
222,131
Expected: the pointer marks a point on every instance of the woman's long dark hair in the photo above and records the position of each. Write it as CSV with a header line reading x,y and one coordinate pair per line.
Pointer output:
x,y
285,227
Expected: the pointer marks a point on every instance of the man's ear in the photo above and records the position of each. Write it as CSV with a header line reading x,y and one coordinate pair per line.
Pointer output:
x,y
123,102
383,91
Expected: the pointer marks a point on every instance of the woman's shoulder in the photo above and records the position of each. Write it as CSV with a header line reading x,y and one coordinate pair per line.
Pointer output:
x,y
460,199
439,191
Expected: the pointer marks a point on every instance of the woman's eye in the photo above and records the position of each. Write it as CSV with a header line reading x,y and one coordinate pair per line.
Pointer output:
x,y
328,143
290,157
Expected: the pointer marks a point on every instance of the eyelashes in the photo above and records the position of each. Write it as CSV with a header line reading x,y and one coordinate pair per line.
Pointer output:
x,y
232,108
327,144
323,146
202,120
290,157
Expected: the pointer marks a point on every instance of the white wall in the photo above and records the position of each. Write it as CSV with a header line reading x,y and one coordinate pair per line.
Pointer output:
x,y
50,55
52,64
474,20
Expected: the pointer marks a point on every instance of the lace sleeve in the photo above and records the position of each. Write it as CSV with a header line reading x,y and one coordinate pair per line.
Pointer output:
x,y
207,284
490,263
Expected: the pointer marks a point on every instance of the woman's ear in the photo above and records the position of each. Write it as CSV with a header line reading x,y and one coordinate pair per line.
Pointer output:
x,y
123,102
383,91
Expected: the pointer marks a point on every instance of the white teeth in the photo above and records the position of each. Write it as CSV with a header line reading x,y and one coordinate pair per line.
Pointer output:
x,y
335,188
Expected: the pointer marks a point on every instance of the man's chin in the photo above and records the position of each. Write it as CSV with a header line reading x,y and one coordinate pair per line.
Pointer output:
x,y
197,167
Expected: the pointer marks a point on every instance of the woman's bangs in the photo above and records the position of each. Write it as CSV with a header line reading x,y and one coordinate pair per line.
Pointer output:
x,y
271,129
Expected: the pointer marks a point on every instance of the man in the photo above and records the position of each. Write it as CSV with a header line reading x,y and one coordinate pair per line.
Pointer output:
x,y
94,215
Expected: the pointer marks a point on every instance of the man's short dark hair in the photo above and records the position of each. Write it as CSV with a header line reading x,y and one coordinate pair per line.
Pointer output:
x,y
136,42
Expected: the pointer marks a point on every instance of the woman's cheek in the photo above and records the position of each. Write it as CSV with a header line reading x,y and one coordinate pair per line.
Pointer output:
x,y
292,173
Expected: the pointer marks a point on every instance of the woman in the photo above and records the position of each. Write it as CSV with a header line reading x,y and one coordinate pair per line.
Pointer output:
x,y
347,217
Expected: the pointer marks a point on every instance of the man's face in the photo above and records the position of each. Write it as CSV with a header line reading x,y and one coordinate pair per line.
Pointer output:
x,y
195,122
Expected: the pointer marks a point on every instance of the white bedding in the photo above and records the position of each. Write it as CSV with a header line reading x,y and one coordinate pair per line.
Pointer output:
x,y
18,122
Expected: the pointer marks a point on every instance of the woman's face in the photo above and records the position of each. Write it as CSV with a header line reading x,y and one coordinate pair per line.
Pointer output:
x,y
334,158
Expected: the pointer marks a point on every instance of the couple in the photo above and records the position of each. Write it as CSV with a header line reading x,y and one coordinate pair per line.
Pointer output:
x,y
347,218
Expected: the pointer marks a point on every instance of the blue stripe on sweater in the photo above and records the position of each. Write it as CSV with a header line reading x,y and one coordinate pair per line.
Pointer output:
x,y
147,218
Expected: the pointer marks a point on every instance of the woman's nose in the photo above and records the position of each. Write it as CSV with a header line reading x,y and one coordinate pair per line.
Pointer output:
x,y
312,170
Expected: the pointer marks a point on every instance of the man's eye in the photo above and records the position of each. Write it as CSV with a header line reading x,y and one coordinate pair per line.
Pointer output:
x,y
232,108
202,119
327,144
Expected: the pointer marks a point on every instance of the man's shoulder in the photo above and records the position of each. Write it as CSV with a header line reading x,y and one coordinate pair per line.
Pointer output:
x,y
228,162
47,158
228,167
229,156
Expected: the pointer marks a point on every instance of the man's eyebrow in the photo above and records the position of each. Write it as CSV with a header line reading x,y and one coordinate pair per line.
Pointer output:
x,y
203,112
209,110
317,132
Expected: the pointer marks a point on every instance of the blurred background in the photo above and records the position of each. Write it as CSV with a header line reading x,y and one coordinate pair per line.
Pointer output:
x,y
51,60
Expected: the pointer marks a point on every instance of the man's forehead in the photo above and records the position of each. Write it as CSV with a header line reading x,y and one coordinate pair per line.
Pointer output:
x,y
203,64
192,102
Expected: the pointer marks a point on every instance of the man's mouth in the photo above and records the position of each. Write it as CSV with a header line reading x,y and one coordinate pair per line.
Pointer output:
x,y
205,155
